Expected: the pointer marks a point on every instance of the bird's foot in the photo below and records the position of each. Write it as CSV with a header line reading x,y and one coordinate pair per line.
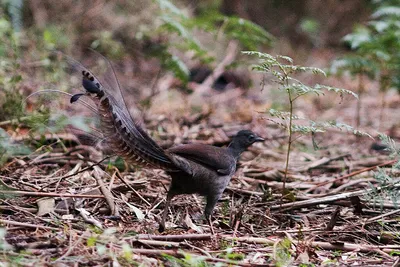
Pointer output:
x,y
210,223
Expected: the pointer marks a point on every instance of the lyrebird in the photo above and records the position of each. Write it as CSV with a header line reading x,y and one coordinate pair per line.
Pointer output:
x,y
194,168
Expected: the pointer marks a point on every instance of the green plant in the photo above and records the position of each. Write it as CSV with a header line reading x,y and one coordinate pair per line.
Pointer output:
x,y
230,254
282,253
186,261
360,67
178,29
376,50
9,149
283,70
387,184
3,244
10,75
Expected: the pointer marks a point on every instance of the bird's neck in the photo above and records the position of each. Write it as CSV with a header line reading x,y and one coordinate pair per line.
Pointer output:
x,y
236,149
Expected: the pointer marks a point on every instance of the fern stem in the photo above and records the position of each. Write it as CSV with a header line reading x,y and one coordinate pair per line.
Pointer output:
x,y
289,143
360,93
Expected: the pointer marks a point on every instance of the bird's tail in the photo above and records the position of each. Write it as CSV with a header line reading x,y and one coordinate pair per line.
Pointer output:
x,y
124,134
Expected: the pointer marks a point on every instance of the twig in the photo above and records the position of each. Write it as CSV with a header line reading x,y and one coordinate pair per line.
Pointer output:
x,y
75,169
199,249
350,184
352,174
329,199
106,192
320,162
333,219
89,218
317,244
176,237
71,247
181,254
353,247
250,239
84,169
130,187
43,194
373,219
159,243
396,263
28,225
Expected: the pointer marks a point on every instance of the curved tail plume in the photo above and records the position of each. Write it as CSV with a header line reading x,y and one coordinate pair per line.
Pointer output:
x,y
125,134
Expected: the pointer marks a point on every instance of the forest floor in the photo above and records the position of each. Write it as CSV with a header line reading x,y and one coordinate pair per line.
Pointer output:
x,y
61,208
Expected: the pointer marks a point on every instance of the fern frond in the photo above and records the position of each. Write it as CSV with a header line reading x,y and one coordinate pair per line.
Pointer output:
x,y
301,89
260,55
173,26
249,34
304,129
360,36
283,115
355,64
340,91
177,66
296,68
169,7
288,59
387,11
343,126
390,143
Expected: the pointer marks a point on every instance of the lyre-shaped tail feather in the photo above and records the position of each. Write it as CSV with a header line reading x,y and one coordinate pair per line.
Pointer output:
x,y
125,134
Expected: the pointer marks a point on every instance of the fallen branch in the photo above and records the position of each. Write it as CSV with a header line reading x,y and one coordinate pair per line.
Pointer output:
x,y
352,174
75,173
175,237
27,225
320,162
43,194
106,192
159,243
317,244
329,199
182,254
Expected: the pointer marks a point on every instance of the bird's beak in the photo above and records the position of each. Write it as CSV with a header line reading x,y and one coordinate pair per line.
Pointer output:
x,y
259,139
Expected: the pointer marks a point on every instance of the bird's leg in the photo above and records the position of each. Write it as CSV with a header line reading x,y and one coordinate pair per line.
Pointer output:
x,y
161,228
211,202
209,220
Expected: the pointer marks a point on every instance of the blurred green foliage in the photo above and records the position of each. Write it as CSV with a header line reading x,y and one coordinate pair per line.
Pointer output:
x,y
9,149
311,27
10,76
179,31
387,178
376,47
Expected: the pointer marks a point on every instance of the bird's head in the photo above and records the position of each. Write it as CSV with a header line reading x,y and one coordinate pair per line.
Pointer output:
x,y
243,139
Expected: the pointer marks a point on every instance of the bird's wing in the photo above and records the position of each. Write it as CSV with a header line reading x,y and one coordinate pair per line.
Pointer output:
x,y
214,158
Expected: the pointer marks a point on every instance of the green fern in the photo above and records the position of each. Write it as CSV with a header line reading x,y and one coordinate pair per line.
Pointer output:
x,y
282,69
178,28
390,145
386,178
354,64
10,149
376,51
386,11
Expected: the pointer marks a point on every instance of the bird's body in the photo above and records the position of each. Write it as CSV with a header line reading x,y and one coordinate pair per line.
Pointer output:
x,y
194,168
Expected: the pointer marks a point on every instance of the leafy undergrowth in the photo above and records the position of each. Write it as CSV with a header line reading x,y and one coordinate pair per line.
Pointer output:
x,y
57,209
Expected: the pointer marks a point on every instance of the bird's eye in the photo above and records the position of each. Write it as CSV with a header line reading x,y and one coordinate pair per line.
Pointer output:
x,y
251,138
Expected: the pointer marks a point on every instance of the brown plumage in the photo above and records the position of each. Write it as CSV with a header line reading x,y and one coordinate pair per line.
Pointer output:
x,y
194,168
